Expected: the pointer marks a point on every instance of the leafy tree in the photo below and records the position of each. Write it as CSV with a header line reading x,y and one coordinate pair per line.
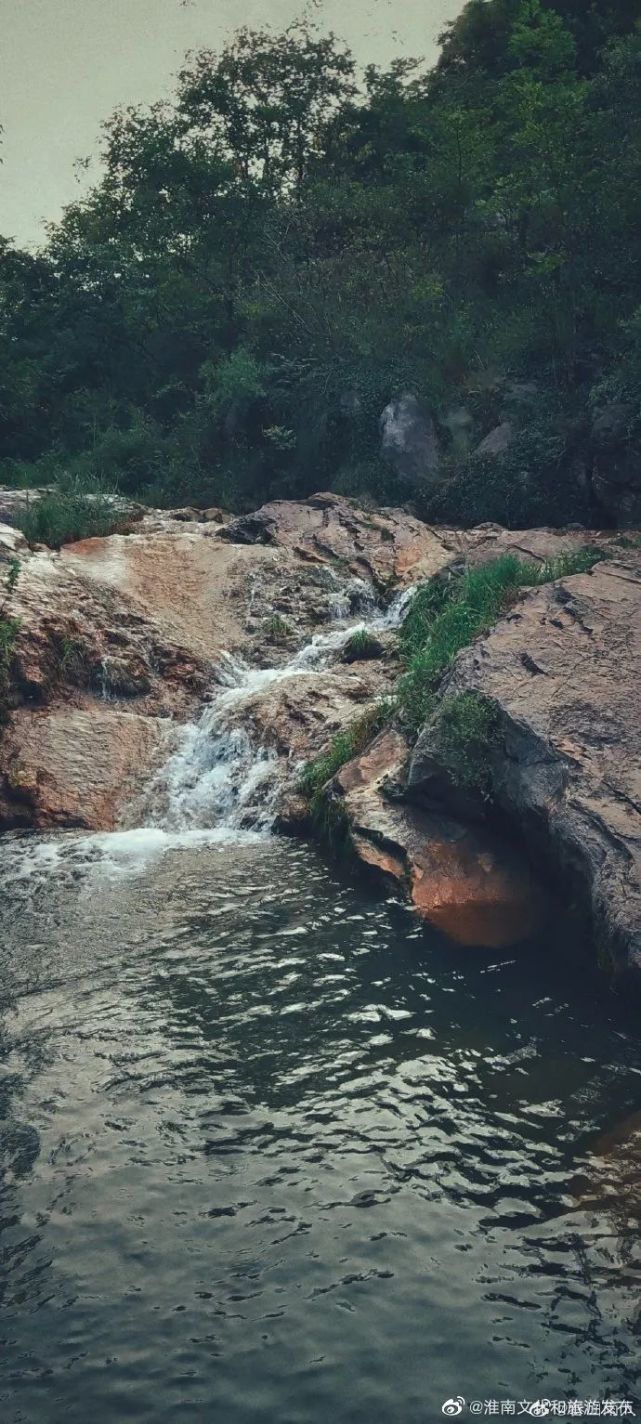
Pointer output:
x,y
268,259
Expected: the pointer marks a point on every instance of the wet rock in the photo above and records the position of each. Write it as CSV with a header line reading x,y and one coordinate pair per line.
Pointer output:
x,y
386,546
465,882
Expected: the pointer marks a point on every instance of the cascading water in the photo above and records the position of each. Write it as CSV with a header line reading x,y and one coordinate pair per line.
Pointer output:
x,y
217,777
219,785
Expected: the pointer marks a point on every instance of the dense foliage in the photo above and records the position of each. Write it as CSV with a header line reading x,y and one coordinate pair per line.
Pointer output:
x,y
268,260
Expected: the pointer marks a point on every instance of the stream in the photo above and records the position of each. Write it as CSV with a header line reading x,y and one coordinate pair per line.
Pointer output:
x,y
272,1151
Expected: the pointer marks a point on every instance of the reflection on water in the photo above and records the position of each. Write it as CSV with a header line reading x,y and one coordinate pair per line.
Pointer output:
x,y
271,1152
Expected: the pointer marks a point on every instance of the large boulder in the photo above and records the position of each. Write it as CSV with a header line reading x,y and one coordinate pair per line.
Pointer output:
x,y
562,670
384,546
409,443
497,443
462,880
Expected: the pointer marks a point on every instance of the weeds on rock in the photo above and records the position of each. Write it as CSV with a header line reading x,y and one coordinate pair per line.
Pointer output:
x,y
446,616
278,629
361,647
342,748
464,735
9,629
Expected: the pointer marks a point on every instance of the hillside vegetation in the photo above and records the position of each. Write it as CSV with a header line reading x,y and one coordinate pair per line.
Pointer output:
x,y
267,261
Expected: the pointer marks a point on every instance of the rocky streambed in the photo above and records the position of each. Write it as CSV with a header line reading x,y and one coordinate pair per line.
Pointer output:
x,y
182,674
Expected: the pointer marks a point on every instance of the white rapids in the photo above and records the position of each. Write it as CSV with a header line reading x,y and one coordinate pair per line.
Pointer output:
x,y
217,777
218,787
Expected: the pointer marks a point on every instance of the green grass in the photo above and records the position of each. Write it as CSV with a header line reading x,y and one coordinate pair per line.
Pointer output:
x,y
446,616
9,629
67,514
464,735
278,629
345,745
361,647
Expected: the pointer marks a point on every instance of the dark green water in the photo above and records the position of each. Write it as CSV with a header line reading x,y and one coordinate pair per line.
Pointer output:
x,y
273,1153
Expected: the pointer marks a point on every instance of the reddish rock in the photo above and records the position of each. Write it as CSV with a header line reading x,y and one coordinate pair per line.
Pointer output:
x,y
464,881
78,767
563,669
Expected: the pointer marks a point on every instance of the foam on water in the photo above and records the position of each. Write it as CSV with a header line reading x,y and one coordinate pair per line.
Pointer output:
x,y
217,788
217,776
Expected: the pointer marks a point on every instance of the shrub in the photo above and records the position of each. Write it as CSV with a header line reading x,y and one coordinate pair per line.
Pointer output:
x,y
69,513
465,732
447,616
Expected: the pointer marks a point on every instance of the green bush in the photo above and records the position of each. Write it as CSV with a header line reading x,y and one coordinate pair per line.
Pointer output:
x,y
67,514
447,616
465,732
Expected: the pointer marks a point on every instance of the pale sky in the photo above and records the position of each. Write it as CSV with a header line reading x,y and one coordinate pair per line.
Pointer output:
x,y
65,65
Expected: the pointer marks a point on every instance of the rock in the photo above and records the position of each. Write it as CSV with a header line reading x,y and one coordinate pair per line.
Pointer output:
x,y
298,716
214,515
560,669
384,547
465,883
408,441
12,544
497,443
258,528
75,767
187,515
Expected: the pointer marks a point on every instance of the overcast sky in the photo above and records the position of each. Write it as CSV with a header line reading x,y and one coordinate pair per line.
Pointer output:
x,y
66,64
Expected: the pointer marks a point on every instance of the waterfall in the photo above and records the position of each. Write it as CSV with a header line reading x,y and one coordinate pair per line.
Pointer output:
x,y
219,785
217,777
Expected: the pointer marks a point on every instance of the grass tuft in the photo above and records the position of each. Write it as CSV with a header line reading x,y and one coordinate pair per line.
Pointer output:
x,y
446,616
361,647
464,734
342,748
71,512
